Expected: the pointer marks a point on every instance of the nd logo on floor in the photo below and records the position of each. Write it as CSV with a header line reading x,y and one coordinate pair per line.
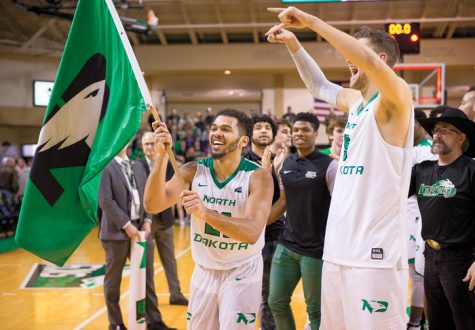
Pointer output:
x,y
85,276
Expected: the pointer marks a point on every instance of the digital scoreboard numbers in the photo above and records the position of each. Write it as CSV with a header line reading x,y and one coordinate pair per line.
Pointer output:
x,y
407,36
398,28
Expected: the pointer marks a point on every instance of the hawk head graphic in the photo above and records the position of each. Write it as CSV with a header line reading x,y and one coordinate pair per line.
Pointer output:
x,y
68,131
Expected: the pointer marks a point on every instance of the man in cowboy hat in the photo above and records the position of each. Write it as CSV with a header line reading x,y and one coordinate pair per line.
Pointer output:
x,y
445,191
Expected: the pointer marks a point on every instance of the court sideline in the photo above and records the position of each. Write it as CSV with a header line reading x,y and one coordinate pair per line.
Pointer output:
x,y
84,308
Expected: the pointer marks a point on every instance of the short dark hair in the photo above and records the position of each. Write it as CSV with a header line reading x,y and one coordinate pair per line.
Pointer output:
x,y
308,117
244,121
265,119
382,41
471,89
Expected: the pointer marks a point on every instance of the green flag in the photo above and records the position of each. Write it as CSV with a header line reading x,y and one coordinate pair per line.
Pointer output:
x,y
95,108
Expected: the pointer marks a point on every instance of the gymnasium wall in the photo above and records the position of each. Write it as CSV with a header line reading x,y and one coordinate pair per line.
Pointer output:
x,y
263,77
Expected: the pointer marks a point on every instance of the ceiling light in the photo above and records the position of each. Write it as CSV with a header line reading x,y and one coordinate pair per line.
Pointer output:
x,y
227,72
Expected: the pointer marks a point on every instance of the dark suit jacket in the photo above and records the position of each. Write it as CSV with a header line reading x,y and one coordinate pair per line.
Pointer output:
x,y
164,219
115,200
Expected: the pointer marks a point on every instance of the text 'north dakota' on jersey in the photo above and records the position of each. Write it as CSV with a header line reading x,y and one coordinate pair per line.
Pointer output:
x,y
211,248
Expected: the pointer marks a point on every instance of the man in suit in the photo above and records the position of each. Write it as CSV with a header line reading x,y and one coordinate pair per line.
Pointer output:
x,y
162,227
120,199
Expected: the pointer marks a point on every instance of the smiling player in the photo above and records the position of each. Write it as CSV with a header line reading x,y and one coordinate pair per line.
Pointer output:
x,y
364,281
229,202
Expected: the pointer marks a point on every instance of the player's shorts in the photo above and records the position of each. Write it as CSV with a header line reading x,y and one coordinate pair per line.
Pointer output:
x,y
413,218
225,299
420,260
363,298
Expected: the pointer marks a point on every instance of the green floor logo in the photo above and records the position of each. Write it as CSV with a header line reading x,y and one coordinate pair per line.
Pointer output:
x,y
376,306
85,276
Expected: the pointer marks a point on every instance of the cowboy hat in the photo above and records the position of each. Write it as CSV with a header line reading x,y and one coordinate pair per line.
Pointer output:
x,y
455,117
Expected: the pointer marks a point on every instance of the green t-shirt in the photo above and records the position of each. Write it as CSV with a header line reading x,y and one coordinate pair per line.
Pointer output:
x,y
326,151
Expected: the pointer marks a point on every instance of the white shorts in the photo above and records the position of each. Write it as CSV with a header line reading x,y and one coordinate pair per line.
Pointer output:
x,y
413,219
225,299
363,298
420,247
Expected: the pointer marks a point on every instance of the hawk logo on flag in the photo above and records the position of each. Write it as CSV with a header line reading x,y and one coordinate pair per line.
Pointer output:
x,y
95,109
68,132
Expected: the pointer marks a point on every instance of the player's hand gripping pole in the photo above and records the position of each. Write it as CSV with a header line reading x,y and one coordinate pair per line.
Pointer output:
x,y
171,156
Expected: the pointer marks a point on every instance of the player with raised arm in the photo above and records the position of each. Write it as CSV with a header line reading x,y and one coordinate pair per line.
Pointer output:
x,y
364,281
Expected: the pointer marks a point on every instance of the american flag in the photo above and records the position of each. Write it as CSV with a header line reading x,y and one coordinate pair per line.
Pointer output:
x,y
322,110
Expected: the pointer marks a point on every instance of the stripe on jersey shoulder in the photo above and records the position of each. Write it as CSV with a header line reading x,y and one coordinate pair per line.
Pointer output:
x,y
244,166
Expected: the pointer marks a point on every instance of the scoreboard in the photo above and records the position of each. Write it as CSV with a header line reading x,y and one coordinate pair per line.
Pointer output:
x,y
407,36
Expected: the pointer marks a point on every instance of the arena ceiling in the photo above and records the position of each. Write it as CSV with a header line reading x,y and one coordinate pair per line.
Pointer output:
x,y
40,27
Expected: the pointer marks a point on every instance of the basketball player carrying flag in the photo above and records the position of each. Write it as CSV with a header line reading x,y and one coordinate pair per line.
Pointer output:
x,y
229,202
364,281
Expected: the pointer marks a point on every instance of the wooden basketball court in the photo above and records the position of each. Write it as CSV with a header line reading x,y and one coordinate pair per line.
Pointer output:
x,y
84,308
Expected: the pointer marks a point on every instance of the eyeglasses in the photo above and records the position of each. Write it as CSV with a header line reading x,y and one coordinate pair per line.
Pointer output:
x,y
443,131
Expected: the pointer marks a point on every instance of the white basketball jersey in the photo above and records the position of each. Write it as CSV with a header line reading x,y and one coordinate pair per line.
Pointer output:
x,y
210,248
367,218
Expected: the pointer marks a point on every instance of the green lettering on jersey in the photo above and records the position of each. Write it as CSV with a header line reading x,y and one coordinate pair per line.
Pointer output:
x,y
219,201
346,145
351,170
243,246
210,229
209,242
198,238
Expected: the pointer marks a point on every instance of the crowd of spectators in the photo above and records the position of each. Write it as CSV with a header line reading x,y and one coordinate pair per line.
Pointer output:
x,y
190,136
14,172
190,133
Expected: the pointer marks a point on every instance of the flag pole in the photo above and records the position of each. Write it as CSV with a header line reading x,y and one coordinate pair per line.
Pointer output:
x,y
168,148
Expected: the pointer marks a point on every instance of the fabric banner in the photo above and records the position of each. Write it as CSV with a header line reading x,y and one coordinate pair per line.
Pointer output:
x,y
138,263
95,108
